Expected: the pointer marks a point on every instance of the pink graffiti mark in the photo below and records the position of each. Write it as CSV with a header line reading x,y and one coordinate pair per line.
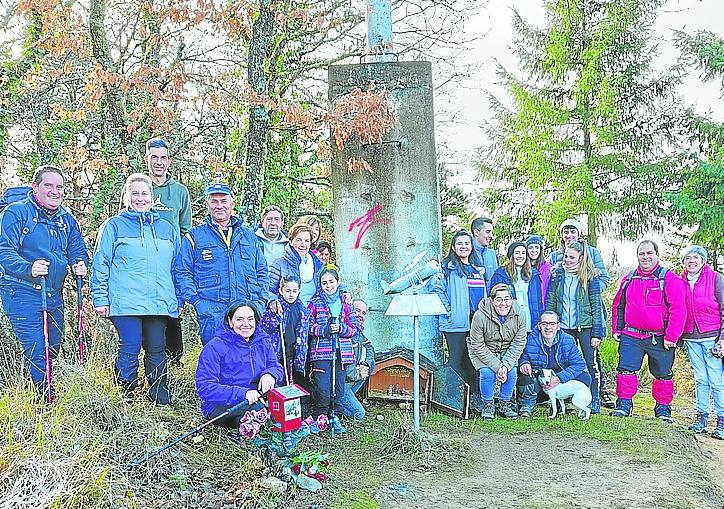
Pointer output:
x,y
365,222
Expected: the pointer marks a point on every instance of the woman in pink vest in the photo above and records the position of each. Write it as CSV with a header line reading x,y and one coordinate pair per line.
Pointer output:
x,y
703,332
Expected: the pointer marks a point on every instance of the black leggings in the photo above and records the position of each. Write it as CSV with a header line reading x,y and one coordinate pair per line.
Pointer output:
x,y
459,360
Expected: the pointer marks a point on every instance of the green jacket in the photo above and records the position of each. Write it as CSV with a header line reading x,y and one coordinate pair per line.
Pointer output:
x,y
589,307
172,202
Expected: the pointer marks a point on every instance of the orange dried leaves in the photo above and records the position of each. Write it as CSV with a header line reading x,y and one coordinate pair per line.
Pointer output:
x,y
368,114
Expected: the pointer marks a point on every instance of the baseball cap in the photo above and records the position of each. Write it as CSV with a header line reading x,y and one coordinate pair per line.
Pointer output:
x,y
218,188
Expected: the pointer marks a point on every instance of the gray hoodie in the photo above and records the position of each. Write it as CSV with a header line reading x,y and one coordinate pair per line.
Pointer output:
x,y
272,249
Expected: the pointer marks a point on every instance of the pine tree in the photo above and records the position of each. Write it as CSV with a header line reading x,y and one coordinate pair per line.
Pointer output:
x,y
700,202
590,125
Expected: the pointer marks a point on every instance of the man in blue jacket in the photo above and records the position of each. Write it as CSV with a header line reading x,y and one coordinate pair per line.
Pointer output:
x,y
221,263
482,229
39,238
548,347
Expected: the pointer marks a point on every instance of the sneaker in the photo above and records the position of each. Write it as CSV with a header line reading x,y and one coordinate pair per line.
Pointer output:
x,y
507,409
663,412
488,410
700,423
624,408
336,426
525,413
719,431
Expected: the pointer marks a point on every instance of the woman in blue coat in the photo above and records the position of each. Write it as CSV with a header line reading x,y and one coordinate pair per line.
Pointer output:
x,y
524,283
297,261
239,363
461,289
132,283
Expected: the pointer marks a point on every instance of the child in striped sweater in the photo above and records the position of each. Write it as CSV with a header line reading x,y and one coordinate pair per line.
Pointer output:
x,y
333,325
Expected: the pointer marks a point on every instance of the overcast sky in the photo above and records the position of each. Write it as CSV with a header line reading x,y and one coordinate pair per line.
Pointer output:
x,y
469,105
458,139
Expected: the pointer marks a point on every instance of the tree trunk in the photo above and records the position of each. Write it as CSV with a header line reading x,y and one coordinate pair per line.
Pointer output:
x,y
256,138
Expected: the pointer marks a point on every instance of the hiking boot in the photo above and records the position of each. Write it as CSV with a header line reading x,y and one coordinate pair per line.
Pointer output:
x,y
596,406
624,408
336,426
607,400
700,423
507,409
159,393
663,412
525,413
488,410
719,431
127,389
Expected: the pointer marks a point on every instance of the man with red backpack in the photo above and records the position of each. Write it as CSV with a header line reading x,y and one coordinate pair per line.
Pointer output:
x,y
39,239
648,317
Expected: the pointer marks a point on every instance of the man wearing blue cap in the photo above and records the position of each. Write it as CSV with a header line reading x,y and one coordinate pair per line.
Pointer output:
x,y
221,263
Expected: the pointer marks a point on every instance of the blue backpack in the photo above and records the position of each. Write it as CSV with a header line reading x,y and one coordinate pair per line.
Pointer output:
x,y
12,195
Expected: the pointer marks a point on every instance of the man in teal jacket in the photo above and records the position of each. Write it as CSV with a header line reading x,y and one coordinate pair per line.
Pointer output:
x,y
221,263
172,202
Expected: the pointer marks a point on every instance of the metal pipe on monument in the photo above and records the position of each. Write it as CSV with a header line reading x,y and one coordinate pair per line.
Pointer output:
x,y
384,217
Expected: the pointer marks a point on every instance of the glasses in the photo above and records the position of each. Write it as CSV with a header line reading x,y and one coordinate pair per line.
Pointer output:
x,y
548,324
502,300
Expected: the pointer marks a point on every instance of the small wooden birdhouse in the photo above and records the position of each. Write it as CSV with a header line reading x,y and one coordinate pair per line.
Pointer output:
x,y
393,378
286,407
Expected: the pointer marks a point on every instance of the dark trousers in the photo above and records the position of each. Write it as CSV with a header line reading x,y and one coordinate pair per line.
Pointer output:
x,y
232,420
23,308
631,353
322,378
174,340
459,360
134,333
592,357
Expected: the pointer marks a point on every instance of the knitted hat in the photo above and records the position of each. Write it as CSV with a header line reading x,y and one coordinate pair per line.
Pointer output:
x,y
512,247
571,223
535,239
695,250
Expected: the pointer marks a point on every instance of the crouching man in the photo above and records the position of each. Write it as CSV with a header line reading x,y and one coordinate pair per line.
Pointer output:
x,y
548,347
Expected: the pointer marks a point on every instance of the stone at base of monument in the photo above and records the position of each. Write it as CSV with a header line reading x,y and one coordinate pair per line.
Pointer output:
x,y
451,395
392,380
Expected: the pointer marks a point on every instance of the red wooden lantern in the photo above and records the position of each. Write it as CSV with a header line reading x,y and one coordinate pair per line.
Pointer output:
x,y
285,407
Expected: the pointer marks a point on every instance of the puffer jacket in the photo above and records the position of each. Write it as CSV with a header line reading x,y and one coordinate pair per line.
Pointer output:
x,y
567,356
495,344
322,347
589,307
704,304
453,288
646,310
230,366
133,265
216,271
29,233
270,323
289,264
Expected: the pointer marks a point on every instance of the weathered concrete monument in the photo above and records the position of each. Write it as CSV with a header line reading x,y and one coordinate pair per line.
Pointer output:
x,y
385,217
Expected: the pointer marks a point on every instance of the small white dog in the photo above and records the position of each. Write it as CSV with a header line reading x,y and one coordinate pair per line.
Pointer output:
x,y
579,393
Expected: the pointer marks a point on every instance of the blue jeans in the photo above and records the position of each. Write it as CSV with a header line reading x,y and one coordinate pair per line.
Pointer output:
x,y
135,332
528,395
23,308
708,375
350,405
488,381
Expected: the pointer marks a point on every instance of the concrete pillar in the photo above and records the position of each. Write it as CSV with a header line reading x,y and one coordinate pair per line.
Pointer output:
x,y
382,219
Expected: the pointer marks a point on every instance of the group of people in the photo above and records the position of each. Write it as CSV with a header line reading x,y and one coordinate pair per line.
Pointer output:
x,y
270,310
505,323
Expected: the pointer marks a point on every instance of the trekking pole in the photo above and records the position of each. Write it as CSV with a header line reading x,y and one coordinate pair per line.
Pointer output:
x,y
144,459
46,337
82,344
333,389
287,374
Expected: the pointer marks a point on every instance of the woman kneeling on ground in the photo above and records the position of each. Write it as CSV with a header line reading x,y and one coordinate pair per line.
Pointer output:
x,y
497,339
238,364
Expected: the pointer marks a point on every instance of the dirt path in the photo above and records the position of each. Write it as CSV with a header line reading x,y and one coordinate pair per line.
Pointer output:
x,y
546,471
